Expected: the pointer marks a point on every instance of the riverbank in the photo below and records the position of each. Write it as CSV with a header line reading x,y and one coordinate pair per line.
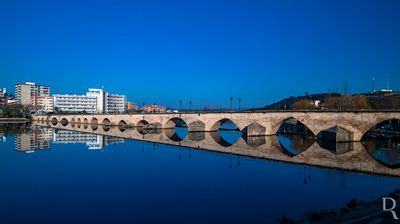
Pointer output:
x,y
353,212
14,120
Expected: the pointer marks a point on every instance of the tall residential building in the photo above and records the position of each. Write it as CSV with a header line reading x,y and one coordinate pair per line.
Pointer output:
x,y
95,101
25,92
43,103
101,99
115,103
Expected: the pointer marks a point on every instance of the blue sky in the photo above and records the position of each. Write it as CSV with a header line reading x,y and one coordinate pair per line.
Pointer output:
x,y
204,51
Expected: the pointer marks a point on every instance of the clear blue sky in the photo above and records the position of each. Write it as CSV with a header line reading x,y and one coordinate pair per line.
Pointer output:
x,y
204,51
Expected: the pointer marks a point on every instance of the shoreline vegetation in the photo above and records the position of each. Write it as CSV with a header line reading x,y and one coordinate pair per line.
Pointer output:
x,y
14,120
15,113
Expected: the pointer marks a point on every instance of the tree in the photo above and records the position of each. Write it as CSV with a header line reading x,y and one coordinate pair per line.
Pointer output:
x,y
16,111
304,105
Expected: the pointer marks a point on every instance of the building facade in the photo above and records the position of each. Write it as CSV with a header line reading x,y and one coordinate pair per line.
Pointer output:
x,y
115,103
131,107
38,139
43,103
95,101
25,92
154,109
75,103
100,95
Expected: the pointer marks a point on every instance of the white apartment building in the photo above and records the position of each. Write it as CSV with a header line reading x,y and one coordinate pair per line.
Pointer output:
x,y
101,98
95,101
75,103
115,103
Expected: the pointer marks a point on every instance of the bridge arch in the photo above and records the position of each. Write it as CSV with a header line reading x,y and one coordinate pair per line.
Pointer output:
x,y
382,142
54,121
176,135
226,124
78,120
85,120
225,139
64,122
122,125
142,123
72,120
106,128
292,125
175,122
294,136
94,123
106,121
379,123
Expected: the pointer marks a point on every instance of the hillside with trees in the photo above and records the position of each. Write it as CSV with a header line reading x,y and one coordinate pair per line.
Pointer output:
x,y
337,101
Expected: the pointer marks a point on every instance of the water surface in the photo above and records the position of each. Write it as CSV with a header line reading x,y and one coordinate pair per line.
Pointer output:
x,y
102,179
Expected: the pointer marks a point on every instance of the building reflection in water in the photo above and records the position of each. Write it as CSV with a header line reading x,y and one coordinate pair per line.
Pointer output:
x,y
39,138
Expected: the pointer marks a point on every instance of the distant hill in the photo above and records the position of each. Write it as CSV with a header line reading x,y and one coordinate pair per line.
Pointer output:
x,y
377,100
384,101
287,103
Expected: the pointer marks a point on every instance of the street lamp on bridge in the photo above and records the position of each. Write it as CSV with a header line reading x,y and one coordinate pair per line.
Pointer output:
x,y
231,98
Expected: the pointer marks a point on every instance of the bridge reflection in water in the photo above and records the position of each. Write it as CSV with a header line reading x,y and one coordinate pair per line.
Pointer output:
x,y
351,156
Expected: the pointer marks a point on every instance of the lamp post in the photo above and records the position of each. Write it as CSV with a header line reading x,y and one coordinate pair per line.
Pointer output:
x,y
180,104
240,100
190,105
231,98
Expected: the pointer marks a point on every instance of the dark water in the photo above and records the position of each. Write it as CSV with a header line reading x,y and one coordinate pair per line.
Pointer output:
x,y
69,178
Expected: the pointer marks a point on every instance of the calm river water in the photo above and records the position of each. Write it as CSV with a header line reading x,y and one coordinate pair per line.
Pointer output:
x,y
51,176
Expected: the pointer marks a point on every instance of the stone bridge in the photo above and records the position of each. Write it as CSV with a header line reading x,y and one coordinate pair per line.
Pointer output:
x,y
263,147
251,124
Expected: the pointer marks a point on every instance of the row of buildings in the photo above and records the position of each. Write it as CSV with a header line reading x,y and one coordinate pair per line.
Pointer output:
x,y
38,97
41,138
94,101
